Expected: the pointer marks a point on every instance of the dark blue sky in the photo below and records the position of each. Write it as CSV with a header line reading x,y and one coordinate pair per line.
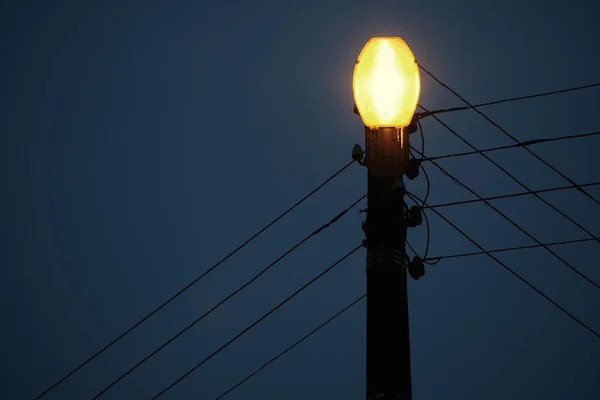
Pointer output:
x,y
142,141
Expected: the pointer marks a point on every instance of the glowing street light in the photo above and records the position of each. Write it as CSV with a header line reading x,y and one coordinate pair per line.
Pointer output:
x,y
386,83
386,87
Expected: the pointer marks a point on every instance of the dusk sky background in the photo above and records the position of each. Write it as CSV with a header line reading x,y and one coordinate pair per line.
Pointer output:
x,y
141,141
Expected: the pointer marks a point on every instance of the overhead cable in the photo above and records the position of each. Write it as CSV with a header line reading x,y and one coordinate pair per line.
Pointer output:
x,y
507,134
231,295
514,273
565,262
192,283
258,321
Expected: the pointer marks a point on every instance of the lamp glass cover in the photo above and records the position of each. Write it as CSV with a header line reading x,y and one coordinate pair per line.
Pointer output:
x,y
386,83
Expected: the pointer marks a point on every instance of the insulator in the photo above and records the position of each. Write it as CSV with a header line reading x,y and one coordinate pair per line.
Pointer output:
x,y
357,153
415,217
412,168
416,268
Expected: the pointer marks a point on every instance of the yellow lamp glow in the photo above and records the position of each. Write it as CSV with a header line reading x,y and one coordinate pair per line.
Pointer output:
x,y
386,83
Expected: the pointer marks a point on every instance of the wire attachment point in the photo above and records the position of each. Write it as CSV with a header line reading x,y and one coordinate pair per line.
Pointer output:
x,y
357,154
414,217
416,268
412,168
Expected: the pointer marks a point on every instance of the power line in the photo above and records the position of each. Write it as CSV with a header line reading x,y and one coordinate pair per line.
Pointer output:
x,y
521,184
256,371
520,144
189,285
428,182
508,100
577,186
512,146
531,246
258,321
510,195
235,292
427,191
519,227
422,136
177,294
506,196
263,366
512,271
507,134
411,248
427,242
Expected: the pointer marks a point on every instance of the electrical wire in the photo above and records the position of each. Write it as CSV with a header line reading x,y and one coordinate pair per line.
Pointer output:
x,y
435,260
262,230
193,282
422,137
256,371
428,182
411,249
428,189
428,226
573,317
428,234
577,186
512,146
235,292
421,163
566,263
507,196
508,134
519,145
258,321
511,99
430,261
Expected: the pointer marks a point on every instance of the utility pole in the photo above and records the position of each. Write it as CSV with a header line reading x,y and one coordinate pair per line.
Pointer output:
x,y
388,343
386,90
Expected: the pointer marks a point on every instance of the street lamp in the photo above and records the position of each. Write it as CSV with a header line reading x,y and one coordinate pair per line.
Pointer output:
x,y
386,83
386,88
